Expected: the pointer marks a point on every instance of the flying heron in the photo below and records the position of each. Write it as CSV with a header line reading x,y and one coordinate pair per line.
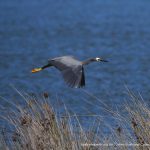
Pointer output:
x,y
71,69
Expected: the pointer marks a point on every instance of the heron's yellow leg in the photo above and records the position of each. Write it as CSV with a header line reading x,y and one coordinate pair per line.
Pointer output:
x,y
36,70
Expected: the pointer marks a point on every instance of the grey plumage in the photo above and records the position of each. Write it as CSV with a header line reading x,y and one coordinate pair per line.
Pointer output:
x,y
72,69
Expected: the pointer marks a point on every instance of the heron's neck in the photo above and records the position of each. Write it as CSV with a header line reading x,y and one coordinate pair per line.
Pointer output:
x,y
86,62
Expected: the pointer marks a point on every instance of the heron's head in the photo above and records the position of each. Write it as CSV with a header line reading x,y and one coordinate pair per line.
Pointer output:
x,y
100,59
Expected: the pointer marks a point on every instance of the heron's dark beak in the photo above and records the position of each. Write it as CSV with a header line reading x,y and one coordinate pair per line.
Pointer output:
x,y
36,70
103,60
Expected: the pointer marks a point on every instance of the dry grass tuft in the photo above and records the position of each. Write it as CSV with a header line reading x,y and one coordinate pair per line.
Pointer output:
x,y
38,127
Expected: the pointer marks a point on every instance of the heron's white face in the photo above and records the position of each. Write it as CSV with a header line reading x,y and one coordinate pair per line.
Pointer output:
x,y
97,59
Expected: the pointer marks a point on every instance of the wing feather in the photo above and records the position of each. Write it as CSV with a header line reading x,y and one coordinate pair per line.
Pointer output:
x,y
71,69
74,77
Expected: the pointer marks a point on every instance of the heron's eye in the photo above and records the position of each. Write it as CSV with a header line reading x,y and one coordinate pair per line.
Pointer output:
x,y
97,59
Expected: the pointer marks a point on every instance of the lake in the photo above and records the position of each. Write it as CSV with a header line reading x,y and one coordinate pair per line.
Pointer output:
x,y
31,32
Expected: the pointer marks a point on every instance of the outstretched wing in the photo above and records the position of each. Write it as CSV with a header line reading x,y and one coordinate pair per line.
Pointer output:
x,y
74,77
71,69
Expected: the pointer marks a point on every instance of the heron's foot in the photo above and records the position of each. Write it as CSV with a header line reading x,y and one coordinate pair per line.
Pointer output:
x,y
36,70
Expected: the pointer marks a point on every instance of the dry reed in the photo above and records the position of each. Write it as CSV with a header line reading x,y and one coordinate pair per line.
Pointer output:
x,y
38,127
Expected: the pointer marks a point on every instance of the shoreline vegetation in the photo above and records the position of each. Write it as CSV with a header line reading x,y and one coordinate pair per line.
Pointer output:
x,y
37,126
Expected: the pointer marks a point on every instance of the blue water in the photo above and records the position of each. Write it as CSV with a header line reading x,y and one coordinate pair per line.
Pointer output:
x,y
33,31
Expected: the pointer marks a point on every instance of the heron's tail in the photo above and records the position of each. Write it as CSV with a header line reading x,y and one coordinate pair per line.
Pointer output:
x,y
36,70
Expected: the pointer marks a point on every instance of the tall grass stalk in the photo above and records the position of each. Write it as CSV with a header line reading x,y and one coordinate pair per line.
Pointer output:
x,y
37,126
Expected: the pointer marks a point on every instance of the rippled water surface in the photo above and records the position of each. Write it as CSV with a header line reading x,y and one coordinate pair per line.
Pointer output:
x,y
33,31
